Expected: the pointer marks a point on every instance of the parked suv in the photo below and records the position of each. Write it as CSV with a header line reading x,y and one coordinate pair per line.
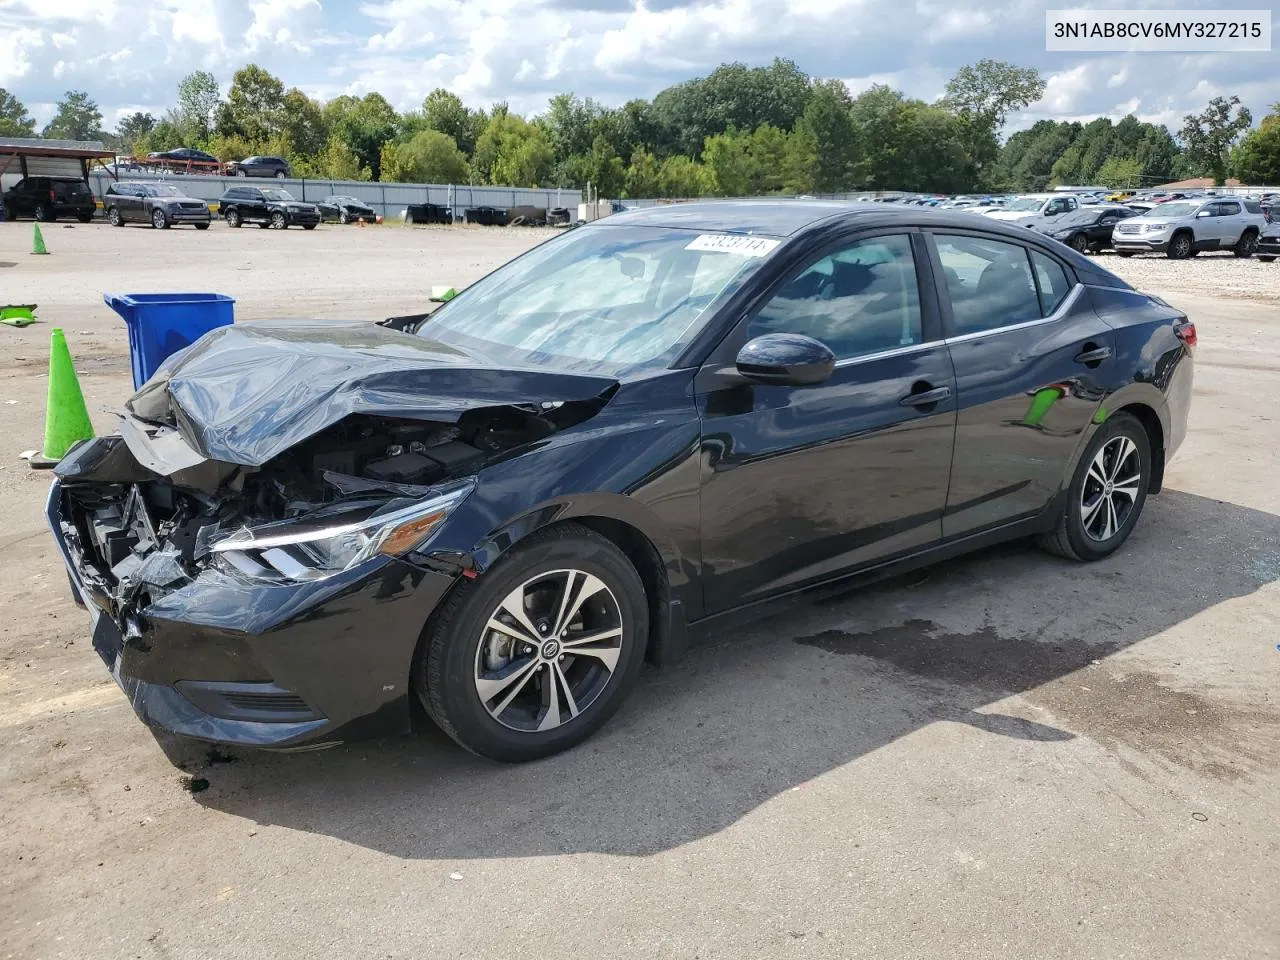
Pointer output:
x,y
1269,243
267,207
1036,205
259,167
159,204
1183,228
48,198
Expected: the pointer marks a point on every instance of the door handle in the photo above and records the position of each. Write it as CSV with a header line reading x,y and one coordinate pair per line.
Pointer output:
x,y
1097,355
926,398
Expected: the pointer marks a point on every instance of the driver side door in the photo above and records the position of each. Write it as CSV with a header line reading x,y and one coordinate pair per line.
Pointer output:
x,y
800,484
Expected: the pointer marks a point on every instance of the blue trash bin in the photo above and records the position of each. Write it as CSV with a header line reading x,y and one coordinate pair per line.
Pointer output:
x,y
161,324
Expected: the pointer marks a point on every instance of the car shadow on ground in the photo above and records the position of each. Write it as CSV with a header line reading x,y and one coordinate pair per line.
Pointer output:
x,y
755,713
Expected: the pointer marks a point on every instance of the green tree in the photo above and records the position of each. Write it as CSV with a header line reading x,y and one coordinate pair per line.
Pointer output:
x,y
364,124
445,111
303,125
726,158
339,162
255,105
643,176
1209,135
14,119
1027,159
681,177
981,96
165,135
429,157
1257,159
570,123
78,118
1124,173
828,120
133,129
512,152
800,165
198,103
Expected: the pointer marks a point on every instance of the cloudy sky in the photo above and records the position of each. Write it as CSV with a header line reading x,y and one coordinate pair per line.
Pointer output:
x,y
130,54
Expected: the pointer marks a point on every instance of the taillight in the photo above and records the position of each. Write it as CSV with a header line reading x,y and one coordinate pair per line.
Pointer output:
x,y
52,195
1186,332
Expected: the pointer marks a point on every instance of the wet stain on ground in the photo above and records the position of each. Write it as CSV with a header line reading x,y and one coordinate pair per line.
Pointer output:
x,y
1138,710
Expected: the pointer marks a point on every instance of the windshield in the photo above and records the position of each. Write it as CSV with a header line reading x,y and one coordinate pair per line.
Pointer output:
x,y
280,195
161,190
1175,210
1026,204
599,298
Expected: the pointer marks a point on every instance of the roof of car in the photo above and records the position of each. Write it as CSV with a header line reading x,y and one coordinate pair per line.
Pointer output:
x,y
784,217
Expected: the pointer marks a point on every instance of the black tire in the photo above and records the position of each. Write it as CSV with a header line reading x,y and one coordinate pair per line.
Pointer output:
x,y
278,222
114,218
233,218
308,226
264,225
1070,538
201,226
280,175
1266,259
1246,245
344,217
9,212
1078,242
84,217
1180,246
43,214
446,667
158,219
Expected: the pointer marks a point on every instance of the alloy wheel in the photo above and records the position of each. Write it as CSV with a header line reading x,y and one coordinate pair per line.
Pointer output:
x,y
114,217
277,221
1110,489
549,650
157,219
1079,243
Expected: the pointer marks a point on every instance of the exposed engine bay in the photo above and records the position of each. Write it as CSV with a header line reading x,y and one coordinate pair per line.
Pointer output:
x,y
139,535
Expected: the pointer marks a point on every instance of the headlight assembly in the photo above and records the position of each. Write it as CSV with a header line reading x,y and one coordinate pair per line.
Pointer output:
x,y
332,540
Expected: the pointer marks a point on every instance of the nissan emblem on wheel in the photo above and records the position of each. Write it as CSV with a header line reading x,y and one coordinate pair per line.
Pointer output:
x,y
501,509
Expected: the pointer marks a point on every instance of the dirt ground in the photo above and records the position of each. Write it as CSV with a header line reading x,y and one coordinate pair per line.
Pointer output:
x,y
1008,755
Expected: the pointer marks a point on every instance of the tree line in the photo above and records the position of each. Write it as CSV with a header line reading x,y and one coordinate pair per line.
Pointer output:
x,y
738,131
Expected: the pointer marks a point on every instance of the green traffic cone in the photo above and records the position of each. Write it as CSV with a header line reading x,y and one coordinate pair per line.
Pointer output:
x,y
66,417
37,241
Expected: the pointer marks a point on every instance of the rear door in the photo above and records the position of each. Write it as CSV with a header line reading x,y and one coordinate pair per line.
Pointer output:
x,y
255,204
803,483
1230,221
1031,361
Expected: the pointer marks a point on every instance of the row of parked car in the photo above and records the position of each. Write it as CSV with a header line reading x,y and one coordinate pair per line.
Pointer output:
x,y
1178,225
164,205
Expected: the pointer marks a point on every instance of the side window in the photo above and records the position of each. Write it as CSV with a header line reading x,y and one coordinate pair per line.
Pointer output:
x,y
1228,208
1053,282
861,300
990,283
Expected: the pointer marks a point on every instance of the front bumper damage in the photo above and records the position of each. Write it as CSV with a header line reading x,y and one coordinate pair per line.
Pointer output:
x,y
247,664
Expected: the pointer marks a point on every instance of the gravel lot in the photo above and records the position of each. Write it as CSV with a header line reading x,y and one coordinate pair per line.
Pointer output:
x,y
1005,756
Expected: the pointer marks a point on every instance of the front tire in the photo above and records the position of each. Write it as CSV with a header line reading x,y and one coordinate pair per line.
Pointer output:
x,y
344,217
540,652
1079,243
279,174
159,220
1106,495
278,221
114,218
1180,246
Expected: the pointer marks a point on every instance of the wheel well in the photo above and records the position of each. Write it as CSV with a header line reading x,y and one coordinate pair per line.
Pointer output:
x,y
1150,421
644,556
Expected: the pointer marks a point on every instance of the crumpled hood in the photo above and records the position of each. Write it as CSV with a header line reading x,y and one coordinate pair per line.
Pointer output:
x,y
245,393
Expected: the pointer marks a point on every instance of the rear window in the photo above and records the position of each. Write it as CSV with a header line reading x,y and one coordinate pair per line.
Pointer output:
x,y
70,188
1253,206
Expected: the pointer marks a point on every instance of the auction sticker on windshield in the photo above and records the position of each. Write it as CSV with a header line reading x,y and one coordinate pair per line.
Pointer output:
x,y
728,243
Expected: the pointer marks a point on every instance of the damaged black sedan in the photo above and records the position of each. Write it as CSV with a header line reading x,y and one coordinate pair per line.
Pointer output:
x,y
504,508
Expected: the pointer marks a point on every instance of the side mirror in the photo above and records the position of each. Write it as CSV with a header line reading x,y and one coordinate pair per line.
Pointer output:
x,y
1204,213
786,359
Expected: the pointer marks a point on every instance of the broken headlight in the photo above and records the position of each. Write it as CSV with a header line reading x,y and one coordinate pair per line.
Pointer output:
x,y
334,539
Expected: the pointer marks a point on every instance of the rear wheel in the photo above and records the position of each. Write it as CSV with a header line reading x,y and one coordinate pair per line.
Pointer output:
x,y
84,217
233,218
202,226
308,226
1106,494
278,221
538,654
113,217
1180,247
44,213
1247,243
279,174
